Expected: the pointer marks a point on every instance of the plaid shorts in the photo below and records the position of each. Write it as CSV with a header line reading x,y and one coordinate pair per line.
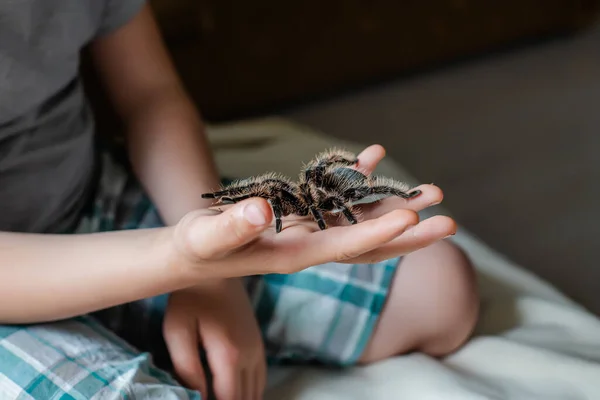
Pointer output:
x,y
325,315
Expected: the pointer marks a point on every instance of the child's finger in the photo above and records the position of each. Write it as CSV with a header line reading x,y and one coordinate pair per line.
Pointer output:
x,y
214,237
341,243
422,235
227,377
369,158
181,339
260,379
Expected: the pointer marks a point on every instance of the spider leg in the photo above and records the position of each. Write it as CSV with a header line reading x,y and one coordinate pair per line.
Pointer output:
x,y
390,191
384,187
232,200
349,216
318,217
277,212
233,192
291,201
213,195
253,186
363,195
336,156
315,174
355,194
346,211
316,169
338,159
336,204
414,193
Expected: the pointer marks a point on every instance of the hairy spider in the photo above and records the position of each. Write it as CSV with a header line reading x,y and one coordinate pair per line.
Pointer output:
x,y
327,184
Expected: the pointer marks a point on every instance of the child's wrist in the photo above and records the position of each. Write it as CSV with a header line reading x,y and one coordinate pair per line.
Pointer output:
x,y
176,248
178,261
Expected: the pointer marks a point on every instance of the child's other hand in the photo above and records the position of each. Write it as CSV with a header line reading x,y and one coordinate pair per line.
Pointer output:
x,y
220,317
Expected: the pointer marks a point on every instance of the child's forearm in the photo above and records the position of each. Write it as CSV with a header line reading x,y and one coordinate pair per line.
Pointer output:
x,y
168,149
171,155
50,277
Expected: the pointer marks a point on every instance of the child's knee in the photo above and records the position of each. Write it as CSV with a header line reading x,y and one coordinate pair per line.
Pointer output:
x,y
450,298
432,307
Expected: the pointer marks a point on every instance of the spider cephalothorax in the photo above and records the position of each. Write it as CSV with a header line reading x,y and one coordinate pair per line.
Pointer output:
x,y
327,184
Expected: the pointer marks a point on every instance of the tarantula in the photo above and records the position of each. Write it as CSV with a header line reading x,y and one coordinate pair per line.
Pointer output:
x,y
326,184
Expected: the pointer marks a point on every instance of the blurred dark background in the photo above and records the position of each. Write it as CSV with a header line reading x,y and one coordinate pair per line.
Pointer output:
x,y
495,101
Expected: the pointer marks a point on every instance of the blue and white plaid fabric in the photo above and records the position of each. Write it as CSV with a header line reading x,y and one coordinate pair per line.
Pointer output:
x,y
325,315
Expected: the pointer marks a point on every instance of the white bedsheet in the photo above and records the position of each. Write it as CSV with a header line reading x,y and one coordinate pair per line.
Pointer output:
x,y
531,342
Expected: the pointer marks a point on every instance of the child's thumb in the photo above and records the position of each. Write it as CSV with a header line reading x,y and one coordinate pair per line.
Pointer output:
x,y
216,236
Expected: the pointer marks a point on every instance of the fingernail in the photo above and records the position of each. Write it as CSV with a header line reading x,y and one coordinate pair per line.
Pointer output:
x,y
253,215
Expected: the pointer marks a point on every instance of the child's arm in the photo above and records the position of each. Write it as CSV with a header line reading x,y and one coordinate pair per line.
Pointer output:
x,y
46,277
167,145
49,277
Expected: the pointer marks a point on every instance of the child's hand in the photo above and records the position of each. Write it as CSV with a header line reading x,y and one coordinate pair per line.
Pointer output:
x,y
218,315
241,240
238,242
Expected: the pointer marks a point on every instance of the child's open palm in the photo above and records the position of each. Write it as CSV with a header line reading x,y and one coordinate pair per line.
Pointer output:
x,y
242,241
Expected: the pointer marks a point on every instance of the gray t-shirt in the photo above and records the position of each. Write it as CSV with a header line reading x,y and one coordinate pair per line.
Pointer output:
x,y
46,127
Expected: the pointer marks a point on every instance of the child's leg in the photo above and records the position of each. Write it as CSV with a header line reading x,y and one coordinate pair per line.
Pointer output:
x,y
432,306
343,315
78,359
